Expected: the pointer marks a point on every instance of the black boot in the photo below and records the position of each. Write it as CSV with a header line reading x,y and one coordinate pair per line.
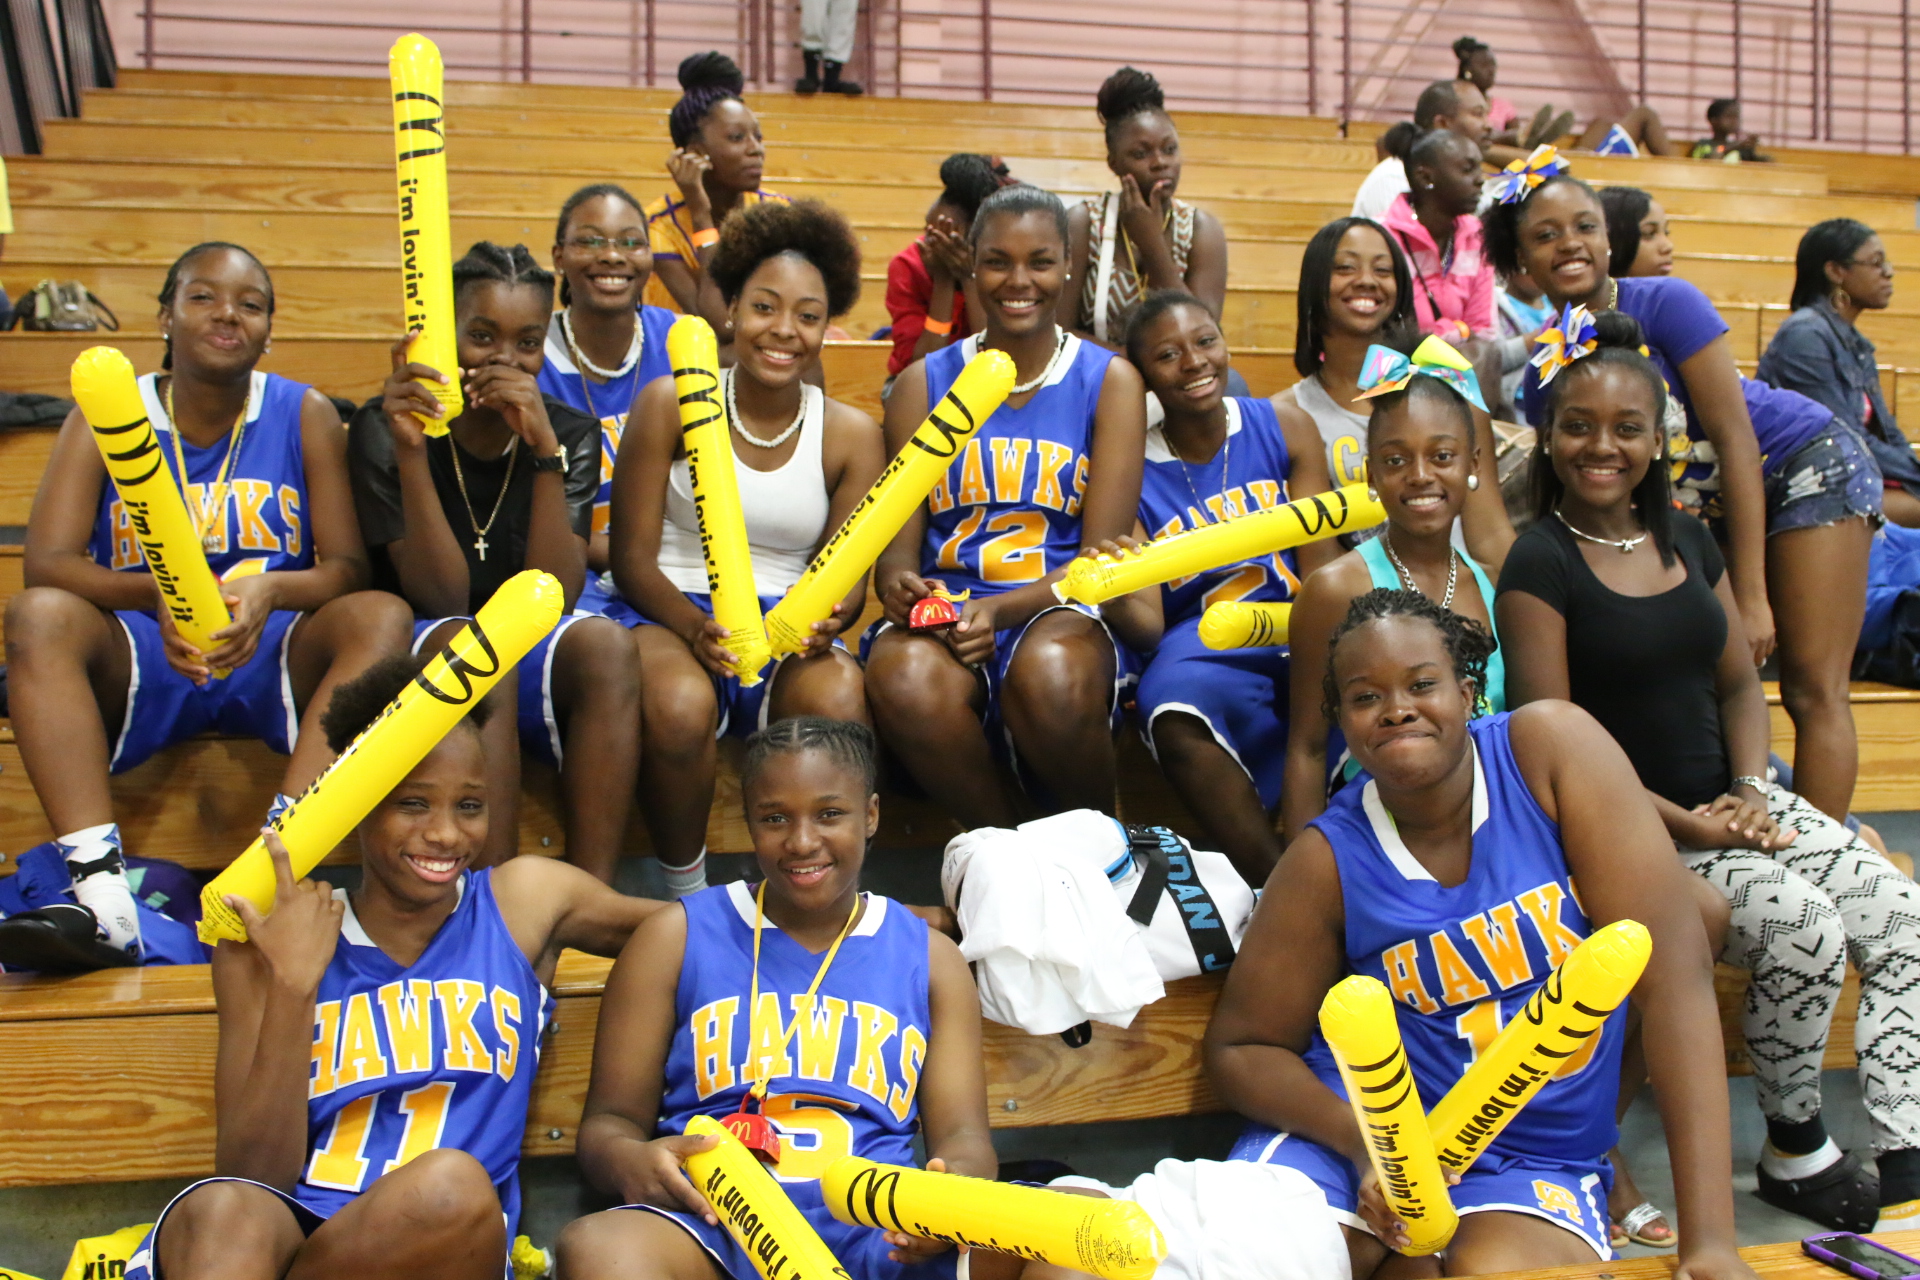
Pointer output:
x,y
810,81
834,84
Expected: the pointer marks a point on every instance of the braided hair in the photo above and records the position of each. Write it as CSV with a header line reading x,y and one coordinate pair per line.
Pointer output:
x,y
847,743
706,81
487,261
592,191
966,180
1125,94
170,287
1468,643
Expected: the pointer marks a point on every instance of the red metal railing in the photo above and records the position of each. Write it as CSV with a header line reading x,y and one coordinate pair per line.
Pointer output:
x,y
1816,71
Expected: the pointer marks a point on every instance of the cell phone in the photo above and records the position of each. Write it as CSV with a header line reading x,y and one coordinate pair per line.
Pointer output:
x,y
1858,1256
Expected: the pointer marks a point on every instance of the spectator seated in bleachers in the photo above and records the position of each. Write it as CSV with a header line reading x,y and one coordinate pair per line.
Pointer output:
x,y
1842,271
1790,493
1617,602
1639,237
1507,143
509,486
399,1153
1436,228
1727,142
931,296
1445,104
99,679
802,461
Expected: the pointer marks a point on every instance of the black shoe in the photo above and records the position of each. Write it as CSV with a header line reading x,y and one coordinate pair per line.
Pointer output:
x,y
58,939
834,84
1841,1197
810,81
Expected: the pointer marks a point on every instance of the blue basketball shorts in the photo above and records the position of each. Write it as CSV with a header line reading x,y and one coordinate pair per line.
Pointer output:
x,y
164,707
145,1265
538,722
1239,694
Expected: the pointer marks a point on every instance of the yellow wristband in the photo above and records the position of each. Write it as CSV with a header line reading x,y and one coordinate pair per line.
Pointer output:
x,y
701,239
941,327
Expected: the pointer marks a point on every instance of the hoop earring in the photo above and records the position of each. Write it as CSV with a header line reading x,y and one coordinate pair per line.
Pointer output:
x,y
1838,298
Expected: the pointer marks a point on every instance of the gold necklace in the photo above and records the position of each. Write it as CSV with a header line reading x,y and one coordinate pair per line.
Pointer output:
x,y
459,477
213,499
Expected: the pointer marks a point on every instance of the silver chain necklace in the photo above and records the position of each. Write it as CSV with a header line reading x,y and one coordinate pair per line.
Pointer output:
x,y
585,365
1226,465
1624,546
740,427
1059,345
1406,575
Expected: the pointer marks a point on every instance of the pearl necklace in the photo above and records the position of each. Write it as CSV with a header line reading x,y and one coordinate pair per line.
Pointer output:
x,y
740,427
1059,345
1406,575
585,365
1624,546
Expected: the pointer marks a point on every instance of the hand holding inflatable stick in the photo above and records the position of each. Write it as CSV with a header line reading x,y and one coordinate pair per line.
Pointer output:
x,y
901,488
522,611
426,232
1358,1022
1234,625
109,397
695,357
1112,1239
1092,579
755,1210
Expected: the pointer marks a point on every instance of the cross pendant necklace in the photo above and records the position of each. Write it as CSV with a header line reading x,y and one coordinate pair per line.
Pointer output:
x,y
480,545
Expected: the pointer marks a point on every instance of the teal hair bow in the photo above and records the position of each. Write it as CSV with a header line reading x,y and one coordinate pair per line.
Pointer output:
x,y
1387,370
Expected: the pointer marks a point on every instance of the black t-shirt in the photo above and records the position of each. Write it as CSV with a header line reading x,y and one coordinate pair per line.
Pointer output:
x,y
376,494
1643,666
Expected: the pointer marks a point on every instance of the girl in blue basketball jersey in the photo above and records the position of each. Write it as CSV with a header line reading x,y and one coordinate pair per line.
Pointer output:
x,y
378,1048
1216,719
1055,469
853,1024
100,678
801,461
510,486
1448,871
604,344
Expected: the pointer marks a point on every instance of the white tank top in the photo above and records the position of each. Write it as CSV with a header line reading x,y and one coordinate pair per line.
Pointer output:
x,y
786,512
1343,431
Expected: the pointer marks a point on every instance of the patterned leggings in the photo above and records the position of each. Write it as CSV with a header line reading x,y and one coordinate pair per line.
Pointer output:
x,y
1798,915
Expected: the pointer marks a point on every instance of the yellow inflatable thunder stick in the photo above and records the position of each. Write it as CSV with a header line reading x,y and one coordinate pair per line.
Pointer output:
x,y
755,1211
1091,579
899,491
522,611
105,388
1235,625
695,358
1569,1010
426,233
1357,1019
1113,1239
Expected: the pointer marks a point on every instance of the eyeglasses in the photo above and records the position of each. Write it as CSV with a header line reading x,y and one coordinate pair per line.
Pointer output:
x,y
594,244
1878,263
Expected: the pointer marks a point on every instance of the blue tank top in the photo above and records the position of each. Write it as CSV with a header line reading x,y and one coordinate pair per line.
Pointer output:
x,y
846,1080
1007,513
1373,553
1248,474
262,525
606,402
1461,961
438,1055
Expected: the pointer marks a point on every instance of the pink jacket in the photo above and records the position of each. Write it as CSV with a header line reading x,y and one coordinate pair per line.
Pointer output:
x,y
1461,292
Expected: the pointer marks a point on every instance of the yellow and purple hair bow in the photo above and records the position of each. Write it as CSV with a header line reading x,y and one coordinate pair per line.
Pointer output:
x,y
1566,340
1387,370
1522,176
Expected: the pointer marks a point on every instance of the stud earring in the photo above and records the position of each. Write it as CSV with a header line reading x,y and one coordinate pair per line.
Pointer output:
x,y
1473,481
1372,495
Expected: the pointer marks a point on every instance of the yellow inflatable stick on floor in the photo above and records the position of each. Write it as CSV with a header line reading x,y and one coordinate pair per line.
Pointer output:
x,y
695,358
1567,1011
1235,625
426,230
1357,1019
1092,579
109,396
1113,1239
979,390
522,611
781,1244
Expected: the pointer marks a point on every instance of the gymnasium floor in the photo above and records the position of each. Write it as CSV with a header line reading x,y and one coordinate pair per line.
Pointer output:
x,y
38,1225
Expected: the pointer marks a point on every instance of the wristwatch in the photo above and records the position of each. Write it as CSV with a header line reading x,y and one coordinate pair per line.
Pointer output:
x,y
558,462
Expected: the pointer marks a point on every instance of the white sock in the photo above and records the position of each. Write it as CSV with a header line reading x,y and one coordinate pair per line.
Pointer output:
x,y
1904,1216
1792,1168
104,890
281,803
682,881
